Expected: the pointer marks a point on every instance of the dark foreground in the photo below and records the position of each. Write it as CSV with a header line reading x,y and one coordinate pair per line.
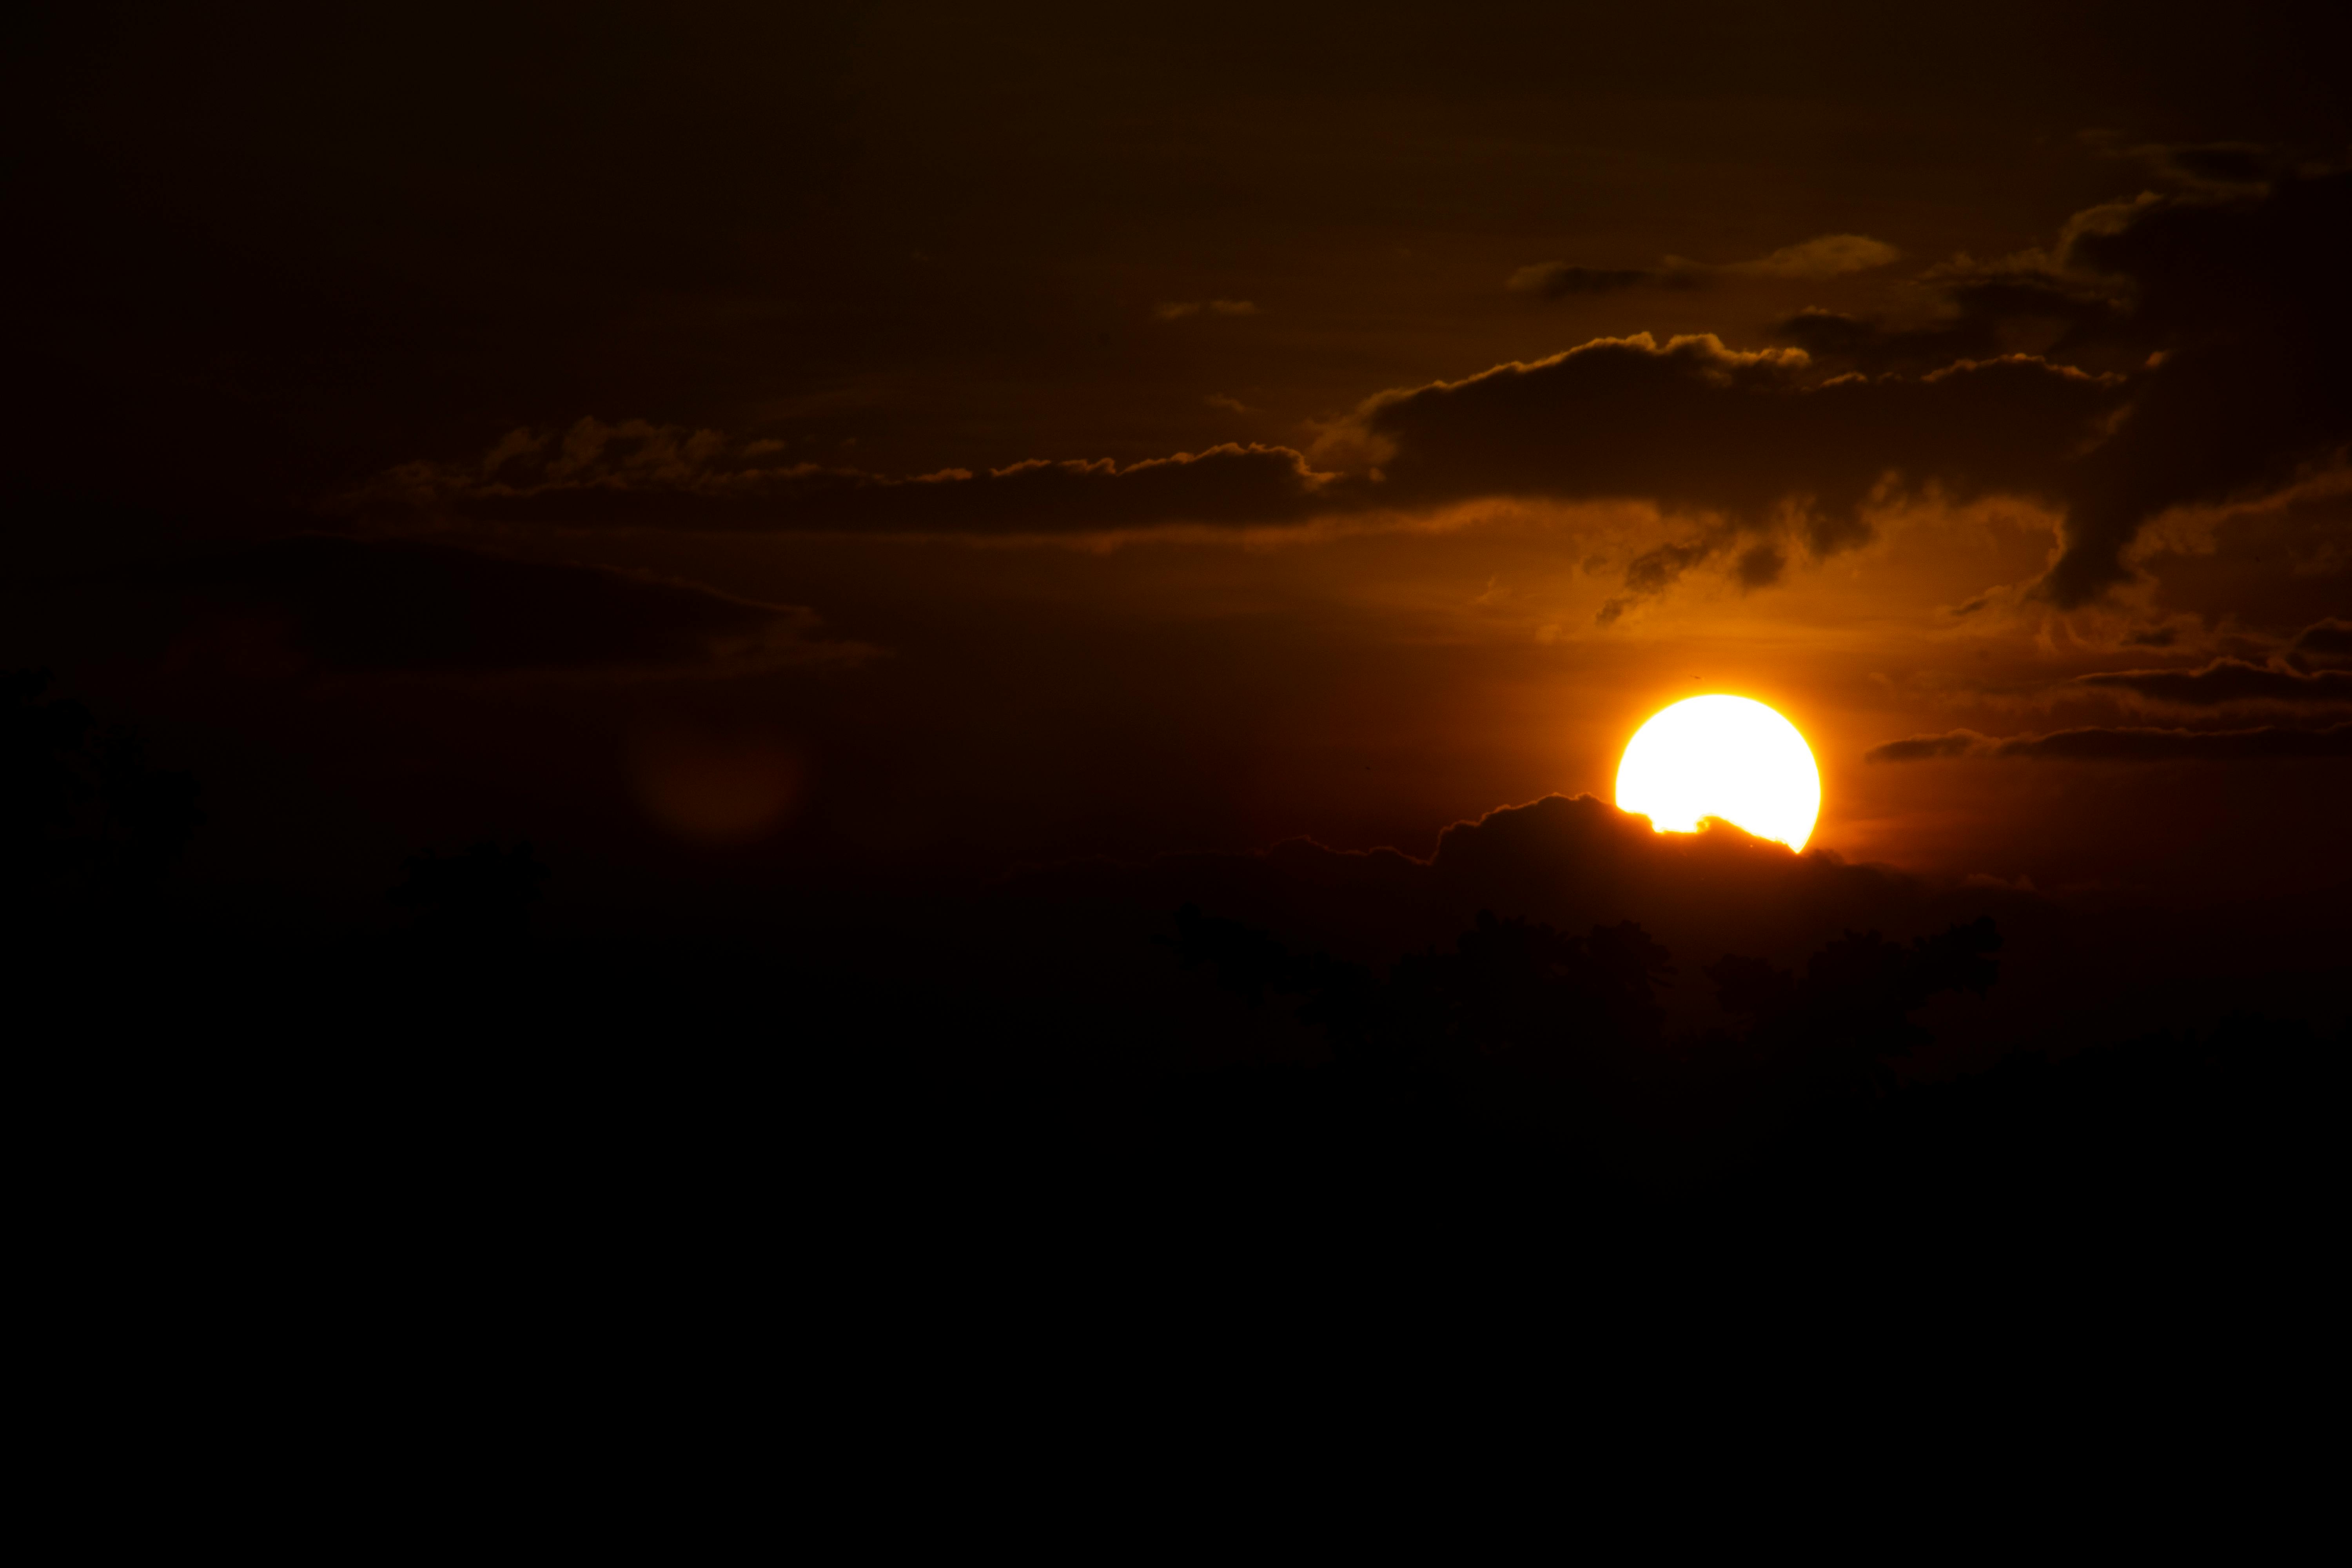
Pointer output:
x,y
932,1141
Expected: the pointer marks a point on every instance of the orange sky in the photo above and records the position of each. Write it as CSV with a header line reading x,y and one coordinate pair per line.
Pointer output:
x,y
434,430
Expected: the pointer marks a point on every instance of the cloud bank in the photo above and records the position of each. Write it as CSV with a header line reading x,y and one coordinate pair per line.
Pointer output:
x,y
2230,296
2174,349
2227,680
1827,256
639,475
2126,745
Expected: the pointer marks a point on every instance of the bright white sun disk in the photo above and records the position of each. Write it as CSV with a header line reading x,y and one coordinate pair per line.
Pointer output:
x,y
1722,756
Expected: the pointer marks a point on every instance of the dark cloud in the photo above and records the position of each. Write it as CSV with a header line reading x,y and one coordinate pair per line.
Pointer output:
x,y
2223,162
1660,567
1702,428
2232,300
1761,565
1754,440
1656,570
1927,748
635,475
2220,313
1743,443
319,601
1560,279
2246,300
2121,744
2228,681
2198,163
2179,349
1572,862
2326,642
2266,570
1823,256
1874,345
1986,313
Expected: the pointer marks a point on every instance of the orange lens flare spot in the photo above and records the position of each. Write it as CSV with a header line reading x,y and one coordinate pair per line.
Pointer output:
x,y
1728,757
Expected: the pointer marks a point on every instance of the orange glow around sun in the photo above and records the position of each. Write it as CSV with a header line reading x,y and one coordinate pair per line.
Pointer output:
x,y
1728,757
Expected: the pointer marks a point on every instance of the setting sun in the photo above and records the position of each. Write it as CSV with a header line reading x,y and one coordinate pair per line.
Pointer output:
x,y
1728,757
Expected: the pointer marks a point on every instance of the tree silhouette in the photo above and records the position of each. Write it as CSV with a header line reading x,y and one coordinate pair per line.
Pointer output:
x,y
85,823
1511,989
1517,995
1850,1012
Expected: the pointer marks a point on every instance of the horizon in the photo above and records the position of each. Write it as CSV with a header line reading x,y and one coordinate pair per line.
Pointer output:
x,y
869,677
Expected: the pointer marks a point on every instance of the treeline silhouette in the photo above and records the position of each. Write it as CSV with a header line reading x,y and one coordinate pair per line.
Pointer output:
x,y
86,826
1512,1106
1515,991
973,1083
1522,1044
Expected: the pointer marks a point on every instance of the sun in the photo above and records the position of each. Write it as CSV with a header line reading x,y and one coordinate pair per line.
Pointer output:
x,y
1722,756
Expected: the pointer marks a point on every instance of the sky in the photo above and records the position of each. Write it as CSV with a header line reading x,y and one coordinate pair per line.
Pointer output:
x,y
745,448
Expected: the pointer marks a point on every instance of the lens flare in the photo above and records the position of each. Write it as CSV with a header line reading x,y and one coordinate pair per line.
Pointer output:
x,y
1722,756
715,786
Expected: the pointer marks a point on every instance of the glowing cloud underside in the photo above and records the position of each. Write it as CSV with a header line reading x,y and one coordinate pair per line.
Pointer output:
x,y
1726,757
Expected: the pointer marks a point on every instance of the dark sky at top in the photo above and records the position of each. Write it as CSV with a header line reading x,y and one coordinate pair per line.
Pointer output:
x,y
769,442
